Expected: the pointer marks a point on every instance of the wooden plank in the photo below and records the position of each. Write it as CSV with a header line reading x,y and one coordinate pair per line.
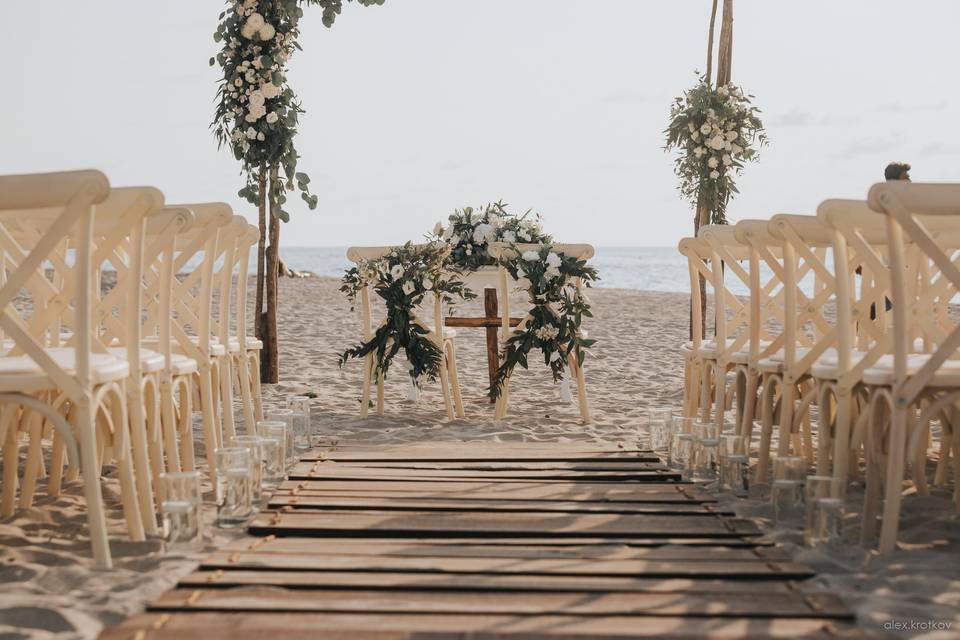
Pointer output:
x,y
498,466
308,471
500,549
357,626
303,502
319,561
480,451
756,605
483,490
224,579
453,524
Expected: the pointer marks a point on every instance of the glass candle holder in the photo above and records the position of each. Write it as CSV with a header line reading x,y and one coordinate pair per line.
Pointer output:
x,y
659,423
817,488
234,505
273,463
707,460
302,433
180,505
286,416
278,430
256,466
787,498
729,445
829,521
683,454
793,468
737,474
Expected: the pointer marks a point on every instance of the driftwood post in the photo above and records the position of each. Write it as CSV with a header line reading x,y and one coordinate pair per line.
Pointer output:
x,y
261,255
269,358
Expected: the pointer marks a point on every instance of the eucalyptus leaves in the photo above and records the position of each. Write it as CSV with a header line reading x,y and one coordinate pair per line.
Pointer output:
x,y
558,307
716,131
403,277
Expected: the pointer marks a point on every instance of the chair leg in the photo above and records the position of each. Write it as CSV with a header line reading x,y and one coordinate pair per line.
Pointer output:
x,y
581,389
455,380
34,460
55,474
246,393
210,439
116,424
955,446
768,390
444,383
254,360
141,465
226,398
168,425
96,519
894,481
750,405
943,463
874,476
184,421
155,439
787,392
706,367
11,455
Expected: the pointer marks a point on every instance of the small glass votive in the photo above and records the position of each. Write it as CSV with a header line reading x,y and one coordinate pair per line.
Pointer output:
x,y
707,460
659,424
273,463
302,433
729,445
234,504
737,474
256,466
817,488
793,468
829,521
286,416
180,504
683,454
787,498
278,430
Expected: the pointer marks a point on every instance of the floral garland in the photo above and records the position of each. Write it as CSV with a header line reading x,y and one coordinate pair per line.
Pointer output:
x,y
470,232
257,111
716,131
558,307
403,277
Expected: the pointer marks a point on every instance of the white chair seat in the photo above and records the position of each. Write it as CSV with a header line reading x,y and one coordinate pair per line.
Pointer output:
x,y
216,349
709,348
742,356
828,367
251,342
181,365
21,373
882,372
150,361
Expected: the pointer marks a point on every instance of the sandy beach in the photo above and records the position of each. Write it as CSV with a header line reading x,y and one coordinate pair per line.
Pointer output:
x,y
47,589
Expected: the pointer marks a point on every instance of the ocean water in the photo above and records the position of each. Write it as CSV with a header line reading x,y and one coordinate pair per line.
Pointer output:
x,y
642,268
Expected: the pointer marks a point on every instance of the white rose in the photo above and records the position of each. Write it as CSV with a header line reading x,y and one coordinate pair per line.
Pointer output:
x,y
695,136
408,287
735,149
705,129
712,162
269,90
717,142
727,161
438,229
482,233
509,236
251,133
256,99
699,151
248,31
731,135
396,271
530,256
714,175
272,117
261,137
238,82
255,20
553,260
257,64
267,32
426,284
691,127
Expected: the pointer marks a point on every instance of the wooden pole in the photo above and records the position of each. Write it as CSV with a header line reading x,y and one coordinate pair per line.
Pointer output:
x,y
713,21
725,50
270,362
261,255
493,356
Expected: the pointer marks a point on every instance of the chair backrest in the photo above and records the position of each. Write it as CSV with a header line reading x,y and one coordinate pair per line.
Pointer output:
x,y
731,314
699,257
74,195
246,242
362,254
766,287
905,206
806,242
228,250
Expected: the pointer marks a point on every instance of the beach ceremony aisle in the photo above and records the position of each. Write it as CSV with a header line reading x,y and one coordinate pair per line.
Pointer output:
x,y
494,541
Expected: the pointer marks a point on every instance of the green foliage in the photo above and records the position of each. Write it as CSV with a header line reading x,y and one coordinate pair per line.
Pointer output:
x,y
403,277
257,112
716,131
558,307
470,232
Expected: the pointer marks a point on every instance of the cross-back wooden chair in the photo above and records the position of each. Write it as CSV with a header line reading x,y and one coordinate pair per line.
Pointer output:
x,y
442,336
927,384
75,389
247,355
807,334
498,251
765,267
730,346
697,252
191,316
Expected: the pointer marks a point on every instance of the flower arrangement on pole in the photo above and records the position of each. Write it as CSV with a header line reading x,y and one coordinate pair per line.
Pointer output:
x,y
716,131
256,117
403,277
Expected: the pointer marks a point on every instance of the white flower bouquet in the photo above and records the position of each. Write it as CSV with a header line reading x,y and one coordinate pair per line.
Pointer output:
x,y
469,232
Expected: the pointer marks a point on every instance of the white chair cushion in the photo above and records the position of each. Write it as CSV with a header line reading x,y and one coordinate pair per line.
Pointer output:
x,y
150,361
948,375
23,373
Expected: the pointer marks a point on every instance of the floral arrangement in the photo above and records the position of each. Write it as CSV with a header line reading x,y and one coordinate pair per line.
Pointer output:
x,y
403,277
470,231
716,131
553,322
257,112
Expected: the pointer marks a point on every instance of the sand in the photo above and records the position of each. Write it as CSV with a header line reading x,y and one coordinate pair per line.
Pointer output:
x,y
48,590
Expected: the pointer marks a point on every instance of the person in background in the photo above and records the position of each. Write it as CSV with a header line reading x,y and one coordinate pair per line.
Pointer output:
x,y
897,171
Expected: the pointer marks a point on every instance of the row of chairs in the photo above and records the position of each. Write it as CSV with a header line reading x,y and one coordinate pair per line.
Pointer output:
x,y
121,315
846,346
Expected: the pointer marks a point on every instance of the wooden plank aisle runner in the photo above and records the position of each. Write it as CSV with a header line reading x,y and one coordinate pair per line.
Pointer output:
x,y
500,541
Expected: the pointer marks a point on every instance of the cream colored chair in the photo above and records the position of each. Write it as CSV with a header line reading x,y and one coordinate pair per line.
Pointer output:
x,y
247,355
499,251
78,391
925,384
442,336
697,253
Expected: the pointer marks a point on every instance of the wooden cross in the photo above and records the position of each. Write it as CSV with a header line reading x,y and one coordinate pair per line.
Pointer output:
x,y
491,322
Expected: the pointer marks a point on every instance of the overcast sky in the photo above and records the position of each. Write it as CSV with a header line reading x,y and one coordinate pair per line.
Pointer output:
x,y
420,106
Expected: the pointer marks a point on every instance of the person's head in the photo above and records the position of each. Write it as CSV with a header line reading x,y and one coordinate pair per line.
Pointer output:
x,y
897,171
